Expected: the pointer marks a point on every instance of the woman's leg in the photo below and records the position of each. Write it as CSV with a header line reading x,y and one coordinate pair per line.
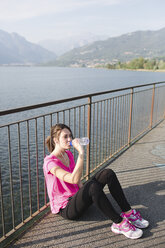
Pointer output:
x,y
91,192
108,176
78,203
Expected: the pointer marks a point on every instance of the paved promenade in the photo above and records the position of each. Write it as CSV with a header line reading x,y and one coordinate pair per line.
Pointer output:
x,y
141,171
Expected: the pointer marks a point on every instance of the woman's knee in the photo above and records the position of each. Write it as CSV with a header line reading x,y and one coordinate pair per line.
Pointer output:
x,y
105,175
110,172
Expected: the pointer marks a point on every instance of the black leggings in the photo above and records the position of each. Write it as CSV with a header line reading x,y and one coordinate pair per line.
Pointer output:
x,y
92,192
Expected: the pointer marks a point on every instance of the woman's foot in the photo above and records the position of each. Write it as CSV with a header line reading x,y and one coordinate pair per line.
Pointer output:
x,y
127,229
135,218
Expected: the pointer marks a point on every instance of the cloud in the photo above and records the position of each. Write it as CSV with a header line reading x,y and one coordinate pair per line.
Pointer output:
x,y
13,10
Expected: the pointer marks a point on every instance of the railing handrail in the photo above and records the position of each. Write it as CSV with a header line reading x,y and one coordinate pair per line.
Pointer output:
x,y
41,105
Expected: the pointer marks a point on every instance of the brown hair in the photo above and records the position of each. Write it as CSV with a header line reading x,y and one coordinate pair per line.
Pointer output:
x,y
55,133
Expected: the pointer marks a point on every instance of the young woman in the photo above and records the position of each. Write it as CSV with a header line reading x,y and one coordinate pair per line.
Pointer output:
x,y
70,198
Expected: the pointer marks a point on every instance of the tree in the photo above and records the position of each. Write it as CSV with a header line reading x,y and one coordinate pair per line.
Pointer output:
x,y
161,65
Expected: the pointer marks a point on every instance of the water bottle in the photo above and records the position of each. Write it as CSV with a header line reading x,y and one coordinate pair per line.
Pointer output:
x,y
84,141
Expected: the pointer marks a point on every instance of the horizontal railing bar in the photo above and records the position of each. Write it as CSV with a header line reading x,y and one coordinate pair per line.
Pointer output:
x,y
136,92
43,115
110,98
41,105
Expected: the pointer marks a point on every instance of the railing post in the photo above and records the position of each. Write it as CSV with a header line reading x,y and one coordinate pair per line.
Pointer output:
x,y
89,135
130,118
152,105
2,206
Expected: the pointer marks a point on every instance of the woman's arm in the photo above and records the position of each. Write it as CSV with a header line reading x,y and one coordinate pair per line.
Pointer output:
x,y
68,177
75,176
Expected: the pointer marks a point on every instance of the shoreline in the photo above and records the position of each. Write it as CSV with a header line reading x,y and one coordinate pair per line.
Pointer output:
x,y
88,67
147,70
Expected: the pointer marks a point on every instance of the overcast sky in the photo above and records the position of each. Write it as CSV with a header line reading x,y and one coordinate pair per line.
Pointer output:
x,y
38,20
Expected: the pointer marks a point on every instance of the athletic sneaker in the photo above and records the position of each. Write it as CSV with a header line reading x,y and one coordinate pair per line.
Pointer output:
x,y
135,218
127,229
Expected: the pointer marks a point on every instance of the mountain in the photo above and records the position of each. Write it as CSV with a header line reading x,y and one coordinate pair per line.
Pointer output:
x,y
15,49
63,45
148,44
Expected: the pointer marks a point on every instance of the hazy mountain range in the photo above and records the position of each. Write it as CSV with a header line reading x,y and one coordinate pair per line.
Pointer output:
x,y
148,44
15,49
61,46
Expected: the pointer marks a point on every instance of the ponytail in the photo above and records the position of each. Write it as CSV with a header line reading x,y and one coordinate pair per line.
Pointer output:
x,y
50,144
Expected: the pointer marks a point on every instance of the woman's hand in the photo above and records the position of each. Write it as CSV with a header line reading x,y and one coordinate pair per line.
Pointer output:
x,y
77,146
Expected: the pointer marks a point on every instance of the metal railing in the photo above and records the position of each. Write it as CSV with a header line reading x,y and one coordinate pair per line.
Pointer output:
x,y
112,120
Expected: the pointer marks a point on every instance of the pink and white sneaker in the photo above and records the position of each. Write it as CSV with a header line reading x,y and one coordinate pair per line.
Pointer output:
x,y
135,218
127,229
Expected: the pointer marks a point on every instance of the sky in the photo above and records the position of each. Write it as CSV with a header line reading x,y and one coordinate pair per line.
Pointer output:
x,y
38,20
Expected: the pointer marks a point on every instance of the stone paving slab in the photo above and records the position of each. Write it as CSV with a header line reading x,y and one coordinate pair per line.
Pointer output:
x,y
141,171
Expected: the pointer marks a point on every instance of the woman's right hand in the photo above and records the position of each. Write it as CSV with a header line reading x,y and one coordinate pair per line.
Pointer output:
x,y
77,146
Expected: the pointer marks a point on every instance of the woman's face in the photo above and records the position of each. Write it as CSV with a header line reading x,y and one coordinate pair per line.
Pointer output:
x,y
65,138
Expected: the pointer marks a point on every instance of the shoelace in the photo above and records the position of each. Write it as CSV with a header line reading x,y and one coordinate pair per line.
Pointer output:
x,y
127,224
138,216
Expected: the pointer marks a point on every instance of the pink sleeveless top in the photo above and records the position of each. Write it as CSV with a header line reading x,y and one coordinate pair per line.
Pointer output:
x,y
58,190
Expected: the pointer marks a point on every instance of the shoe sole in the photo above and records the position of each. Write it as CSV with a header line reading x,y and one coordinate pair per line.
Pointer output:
x,y
119,232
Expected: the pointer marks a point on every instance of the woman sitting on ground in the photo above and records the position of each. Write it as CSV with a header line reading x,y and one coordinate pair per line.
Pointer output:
x,y
70,198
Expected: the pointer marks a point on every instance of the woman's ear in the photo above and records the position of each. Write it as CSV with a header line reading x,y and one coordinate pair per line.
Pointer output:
x,y
56,141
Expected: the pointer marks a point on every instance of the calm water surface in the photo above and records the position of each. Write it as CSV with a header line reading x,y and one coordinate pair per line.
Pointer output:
x,y
22,86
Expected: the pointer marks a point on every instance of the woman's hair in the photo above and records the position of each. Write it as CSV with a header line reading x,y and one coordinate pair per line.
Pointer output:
x,y
55,133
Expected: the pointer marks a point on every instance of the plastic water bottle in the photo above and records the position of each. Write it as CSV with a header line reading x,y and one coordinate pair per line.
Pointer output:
x,y
84,141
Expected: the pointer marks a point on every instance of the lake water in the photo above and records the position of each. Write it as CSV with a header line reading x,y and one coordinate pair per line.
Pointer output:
x,y
22,86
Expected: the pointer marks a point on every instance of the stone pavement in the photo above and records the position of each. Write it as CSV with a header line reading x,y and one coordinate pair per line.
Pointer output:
x,y
141,171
